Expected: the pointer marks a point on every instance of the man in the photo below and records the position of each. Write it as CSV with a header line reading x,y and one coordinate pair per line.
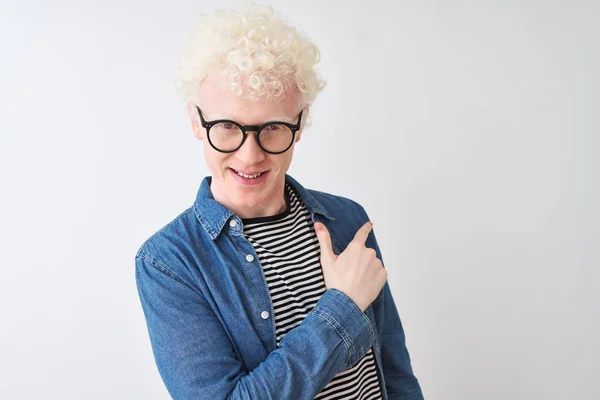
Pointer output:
x,y
243,298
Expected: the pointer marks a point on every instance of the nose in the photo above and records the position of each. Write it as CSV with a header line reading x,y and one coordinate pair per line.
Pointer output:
x,y
250,152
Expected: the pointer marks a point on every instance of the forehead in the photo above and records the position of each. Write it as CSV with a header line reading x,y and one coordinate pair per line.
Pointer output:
x,y
217,101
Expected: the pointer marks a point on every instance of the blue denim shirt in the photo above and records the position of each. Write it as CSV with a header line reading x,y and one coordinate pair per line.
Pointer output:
x,y
210,316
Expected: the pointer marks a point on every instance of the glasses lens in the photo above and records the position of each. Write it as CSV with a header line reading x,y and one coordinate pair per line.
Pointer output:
x,y
226,136
275,137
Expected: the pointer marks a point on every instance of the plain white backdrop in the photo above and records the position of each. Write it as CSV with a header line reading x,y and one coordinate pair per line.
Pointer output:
x,y
467,129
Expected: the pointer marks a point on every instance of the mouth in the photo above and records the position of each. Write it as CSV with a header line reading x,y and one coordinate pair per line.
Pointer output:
x,y
249,175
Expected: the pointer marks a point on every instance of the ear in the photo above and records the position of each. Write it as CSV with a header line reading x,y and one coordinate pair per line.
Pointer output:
x,y
195,120
304,117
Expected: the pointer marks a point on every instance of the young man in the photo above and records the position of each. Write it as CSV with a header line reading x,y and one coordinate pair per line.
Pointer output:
x,y
263,289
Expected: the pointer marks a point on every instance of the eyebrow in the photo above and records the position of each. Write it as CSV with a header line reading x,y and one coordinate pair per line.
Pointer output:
x,y
214,117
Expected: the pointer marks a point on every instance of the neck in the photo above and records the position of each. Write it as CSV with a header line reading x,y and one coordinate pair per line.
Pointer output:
x,y
273,205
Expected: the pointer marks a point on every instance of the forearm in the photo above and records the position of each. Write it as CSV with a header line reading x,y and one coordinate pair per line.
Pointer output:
x,y
195,355
333,337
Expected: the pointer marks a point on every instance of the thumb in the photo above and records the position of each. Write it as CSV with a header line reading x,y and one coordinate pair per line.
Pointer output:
x,y
327,254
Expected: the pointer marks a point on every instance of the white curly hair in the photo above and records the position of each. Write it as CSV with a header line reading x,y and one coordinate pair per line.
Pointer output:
x,y
259,54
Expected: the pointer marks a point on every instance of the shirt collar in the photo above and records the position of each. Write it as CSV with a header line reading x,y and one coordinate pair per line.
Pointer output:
x,y
213,215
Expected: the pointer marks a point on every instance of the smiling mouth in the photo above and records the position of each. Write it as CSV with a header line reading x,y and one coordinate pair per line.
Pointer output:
x,y
248,176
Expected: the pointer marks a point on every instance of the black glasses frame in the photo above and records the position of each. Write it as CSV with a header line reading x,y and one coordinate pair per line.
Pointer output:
x,y
246,128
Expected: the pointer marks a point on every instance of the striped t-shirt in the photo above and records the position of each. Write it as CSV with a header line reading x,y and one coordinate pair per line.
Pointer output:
x,y
288,250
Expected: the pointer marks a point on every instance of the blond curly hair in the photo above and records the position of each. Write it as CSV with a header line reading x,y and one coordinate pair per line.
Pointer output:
x,y
260,56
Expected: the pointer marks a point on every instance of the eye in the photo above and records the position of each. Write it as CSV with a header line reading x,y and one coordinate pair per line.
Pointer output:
x,y
226,125
273,127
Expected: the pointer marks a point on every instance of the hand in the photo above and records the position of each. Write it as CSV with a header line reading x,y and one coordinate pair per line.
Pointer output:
x,y
356,271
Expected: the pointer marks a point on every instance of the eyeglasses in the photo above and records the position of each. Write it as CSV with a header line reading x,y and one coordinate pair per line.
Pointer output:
x,y
226,136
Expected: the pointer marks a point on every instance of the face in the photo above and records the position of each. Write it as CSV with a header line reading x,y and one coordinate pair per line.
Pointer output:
x,y
248,198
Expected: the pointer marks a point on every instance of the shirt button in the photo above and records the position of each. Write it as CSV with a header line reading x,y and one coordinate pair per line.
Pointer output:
x,y
249,258
264,314
233,223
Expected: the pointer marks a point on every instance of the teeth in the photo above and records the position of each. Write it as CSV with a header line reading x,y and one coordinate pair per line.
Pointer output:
x,y
249,176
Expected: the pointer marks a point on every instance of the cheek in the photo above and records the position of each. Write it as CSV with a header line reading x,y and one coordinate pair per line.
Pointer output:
x,y
214,160
288,156
208,157
282,162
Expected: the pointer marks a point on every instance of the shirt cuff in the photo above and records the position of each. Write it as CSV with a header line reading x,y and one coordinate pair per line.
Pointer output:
x,y
349,321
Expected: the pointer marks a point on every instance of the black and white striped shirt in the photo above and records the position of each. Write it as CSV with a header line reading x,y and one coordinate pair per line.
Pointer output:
x,y
288,250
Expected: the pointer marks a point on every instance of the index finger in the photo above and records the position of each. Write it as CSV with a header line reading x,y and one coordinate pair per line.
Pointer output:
x,y
363,233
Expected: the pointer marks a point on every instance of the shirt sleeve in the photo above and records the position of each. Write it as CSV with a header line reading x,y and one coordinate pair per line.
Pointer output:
x,y
197,360
400,381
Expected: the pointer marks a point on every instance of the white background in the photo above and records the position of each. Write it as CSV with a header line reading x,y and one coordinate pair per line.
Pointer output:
x,y
468,130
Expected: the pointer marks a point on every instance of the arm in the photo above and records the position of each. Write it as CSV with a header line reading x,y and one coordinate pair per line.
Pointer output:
x,y
400,381
196,359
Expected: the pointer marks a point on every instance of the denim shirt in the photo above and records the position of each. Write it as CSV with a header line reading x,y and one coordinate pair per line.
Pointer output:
x,y
210,316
